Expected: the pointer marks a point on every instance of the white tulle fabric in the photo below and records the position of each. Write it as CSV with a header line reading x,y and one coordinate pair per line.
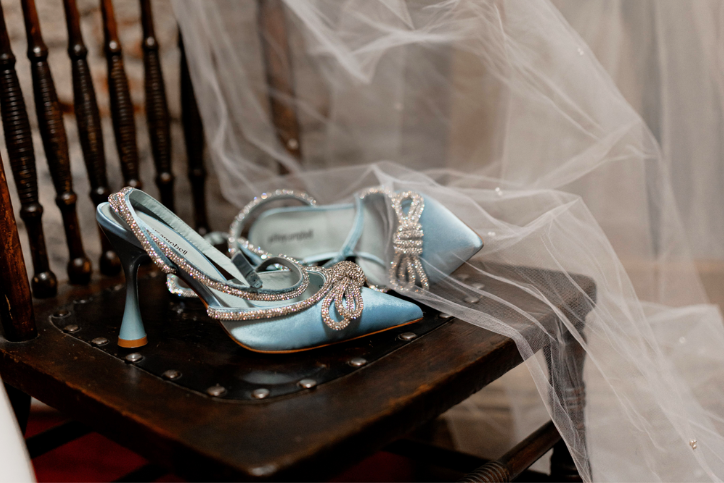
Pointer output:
x,y
499,110
666,58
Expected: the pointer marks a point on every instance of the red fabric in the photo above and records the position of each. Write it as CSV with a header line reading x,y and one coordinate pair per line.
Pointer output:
x,y
90,458
95,458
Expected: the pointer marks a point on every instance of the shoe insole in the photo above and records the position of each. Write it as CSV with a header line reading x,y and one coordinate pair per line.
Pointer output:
x,y
314,234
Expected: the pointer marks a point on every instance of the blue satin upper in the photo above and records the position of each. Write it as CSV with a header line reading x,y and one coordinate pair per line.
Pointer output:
x,y
306,329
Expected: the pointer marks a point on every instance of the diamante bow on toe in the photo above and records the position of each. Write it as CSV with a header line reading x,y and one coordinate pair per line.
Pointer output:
x,y
406,267
347,280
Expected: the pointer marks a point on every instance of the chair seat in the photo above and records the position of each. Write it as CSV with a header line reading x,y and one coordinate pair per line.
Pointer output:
x,y
292,433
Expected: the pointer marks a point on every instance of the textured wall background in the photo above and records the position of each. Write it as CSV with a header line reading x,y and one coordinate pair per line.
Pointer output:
x,y
52,18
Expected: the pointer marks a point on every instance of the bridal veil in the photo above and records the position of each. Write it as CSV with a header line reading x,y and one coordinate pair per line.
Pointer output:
x,y
502,112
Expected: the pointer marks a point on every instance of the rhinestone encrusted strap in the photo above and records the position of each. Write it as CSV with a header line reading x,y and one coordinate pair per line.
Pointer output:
x,y
174,288
344,278
406,269
120,204
235,239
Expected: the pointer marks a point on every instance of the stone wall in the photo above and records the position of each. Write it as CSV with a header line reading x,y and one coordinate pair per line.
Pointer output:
x,y
52,18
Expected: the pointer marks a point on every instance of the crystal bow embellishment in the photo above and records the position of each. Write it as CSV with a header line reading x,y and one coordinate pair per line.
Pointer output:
x,y
406,269
347,280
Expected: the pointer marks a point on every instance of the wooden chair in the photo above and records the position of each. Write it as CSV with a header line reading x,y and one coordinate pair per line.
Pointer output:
x,y
192,401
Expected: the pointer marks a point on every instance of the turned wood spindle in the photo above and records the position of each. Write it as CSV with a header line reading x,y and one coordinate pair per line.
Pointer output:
x,y
16,306
90,131
124,124
194,139
280,81
19,141
55,142
158,119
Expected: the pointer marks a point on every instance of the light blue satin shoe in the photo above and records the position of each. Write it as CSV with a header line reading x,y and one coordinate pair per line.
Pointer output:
x,y
287,310
428,241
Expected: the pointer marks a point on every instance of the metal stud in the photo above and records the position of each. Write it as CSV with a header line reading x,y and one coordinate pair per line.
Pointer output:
x,y
471,300
71,329
99,341
292,144
357,362
81,301
478,286
216,391
260,393
154,274
443,315
307,383
171,374
61,314
134,357
118,287
407,336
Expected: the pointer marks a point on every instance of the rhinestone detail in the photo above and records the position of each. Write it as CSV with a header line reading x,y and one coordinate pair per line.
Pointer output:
x,y
346,295
235,239
116,200
406,269
176,289
336,279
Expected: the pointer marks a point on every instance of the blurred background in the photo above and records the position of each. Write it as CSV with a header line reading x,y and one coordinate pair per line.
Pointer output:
x,y
52,19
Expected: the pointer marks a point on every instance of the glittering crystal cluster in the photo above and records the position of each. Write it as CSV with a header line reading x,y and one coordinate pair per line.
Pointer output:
x,y
342,284
406,269
235,239
172,283
346,295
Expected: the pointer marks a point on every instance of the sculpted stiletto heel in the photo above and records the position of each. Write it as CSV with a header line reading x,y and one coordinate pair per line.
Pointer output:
x,y
287,310
428,242
132,333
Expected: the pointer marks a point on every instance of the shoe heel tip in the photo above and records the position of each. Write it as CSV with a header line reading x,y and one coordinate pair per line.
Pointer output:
x,y
132,344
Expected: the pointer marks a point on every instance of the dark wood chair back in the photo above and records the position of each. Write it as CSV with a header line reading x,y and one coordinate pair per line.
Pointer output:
x,y
16,313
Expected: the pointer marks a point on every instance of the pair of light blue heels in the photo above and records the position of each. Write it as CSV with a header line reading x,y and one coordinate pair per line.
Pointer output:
x,y
280,303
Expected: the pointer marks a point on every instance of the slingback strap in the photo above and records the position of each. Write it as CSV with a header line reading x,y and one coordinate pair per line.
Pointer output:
x,y
174,287
247,270
237,242
168,259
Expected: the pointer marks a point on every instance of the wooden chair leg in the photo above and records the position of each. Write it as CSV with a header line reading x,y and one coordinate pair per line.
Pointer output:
x,y
21,405
517,460
571,355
